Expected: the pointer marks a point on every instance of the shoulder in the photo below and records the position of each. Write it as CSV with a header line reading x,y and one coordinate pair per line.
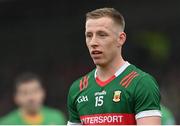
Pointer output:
x,y
146,80
137,70
143,77
10,118
140,83
134,77
54,116
81,83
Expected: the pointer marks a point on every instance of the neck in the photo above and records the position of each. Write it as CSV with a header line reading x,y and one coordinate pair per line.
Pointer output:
x,y
107,71
29,113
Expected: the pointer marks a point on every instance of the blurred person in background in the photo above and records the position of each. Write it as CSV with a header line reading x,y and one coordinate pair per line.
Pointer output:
x,y
29,97
167,116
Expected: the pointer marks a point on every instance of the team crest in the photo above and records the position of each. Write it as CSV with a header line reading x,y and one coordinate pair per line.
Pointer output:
x,y
117,96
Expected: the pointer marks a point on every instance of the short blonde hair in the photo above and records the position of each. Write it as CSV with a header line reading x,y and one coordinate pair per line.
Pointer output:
x,y
115,15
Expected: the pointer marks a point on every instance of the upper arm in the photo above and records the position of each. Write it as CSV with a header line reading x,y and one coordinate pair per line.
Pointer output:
x,y
147,101
154,120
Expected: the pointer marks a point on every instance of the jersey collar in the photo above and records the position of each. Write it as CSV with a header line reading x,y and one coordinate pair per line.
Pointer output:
x,y
118,72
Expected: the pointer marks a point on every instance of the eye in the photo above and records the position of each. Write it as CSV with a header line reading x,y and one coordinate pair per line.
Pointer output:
x,y
88,35
102,34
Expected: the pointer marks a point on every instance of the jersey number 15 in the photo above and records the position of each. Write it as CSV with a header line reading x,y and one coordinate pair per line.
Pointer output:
x,y
99,101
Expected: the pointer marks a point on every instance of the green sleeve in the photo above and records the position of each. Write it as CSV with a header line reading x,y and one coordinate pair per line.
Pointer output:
x,y
147,95
72,110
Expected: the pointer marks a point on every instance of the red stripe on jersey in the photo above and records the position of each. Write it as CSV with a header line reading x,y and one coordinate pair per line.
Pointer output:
x,y
127,79
130,79
103,83
85,81
108,119
81,85
127,76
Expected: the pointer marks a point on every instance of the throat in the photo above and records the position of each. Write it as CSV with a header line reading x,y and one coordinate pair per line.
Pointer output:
x,y
32,118
109,71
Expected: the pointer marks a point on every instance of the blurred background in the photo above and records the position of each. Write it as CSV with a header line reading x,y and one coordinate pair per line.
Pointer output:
x,y
47,38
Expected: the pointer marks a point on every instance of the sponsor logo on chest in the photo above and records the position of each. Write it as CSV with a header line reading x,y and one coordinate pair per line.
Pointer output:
x,y
82,99
100,93
108,119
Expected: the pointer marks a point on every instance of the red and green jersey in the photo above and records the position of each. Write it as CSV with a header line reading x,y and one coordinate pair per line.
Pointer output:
x,y
47,116
128,95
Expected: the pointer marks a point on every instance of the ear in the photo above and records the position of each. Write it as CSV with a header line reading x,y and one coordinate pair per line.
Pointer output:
x,y
121,39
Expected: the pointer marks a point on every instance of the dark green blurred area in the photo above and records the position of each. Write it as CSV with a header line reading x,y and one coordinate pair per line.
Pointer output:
x,y
47,38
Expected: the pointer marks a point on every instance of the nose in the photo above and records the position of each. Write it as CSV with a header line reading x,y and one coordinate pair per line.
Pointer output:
x,y
93,41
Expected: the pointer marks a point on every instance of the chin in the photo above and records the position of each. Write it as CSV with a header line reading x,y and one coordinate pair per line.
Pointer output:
x,y
33,108
99,63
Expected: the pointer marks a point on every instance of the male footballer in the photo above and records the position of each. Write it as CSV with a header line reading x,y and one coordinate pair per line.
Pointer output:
x,y
116,92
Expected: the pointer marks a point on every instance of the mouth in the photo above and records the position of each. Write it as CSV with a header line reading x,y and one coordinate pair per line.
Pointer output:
x,y
96,53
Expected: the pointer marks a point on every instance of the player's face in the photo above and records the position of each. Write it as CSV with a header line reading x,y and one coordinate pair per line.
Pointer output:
x,y
30,96
104,40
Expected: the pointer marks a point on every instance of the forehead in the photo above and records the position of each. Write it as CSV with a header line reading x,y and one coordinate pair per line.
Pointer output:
x,y
104,22
29,85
